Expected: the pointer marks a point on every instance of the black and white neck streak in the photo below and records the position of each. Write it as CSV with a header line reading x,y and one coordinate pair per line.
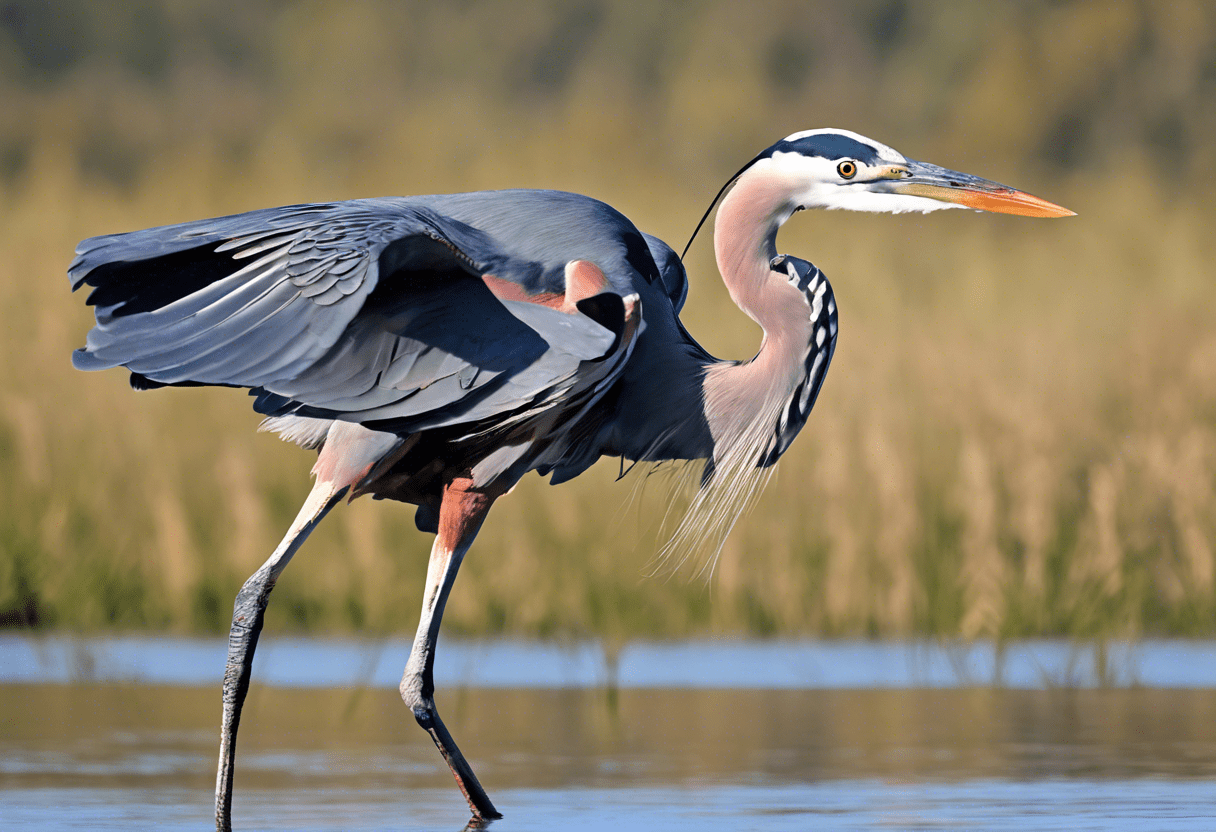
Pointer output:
x,y
755,408
750,411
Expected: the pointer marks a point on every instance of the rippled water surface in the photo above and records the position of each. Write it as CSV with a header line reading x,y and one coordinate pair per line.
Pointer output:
x,y
132,755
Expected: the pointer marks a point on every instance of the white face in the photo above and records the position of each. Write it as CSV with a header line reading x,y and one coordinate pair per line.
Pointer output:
x,y
846,182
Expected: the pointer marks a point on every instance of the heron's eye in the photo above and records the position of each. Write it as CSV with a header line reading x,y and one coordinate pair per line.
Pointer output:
x,y
847,169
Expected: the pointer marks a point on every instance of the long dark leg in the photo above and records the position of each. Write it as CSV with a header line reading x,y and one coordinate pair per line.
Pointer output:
x,y
247,616
460,516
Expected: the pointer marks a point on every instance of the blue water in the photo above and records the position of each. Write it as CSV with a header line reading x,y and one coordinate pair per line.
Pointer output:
x,y
294,662
121,734
1143,806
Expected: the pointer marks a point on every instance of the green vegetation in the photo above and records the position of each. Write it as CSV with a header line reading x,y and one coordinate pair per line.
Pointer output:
x,y
1018,436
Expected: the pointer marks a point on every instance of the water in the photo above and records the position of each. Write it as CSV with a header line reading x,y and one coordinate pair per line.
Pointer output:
x,y
134,755
294,662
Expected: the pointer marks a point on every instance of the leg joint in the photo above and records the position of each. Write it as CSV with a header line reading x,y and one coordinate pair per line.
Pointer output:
x,y
416,693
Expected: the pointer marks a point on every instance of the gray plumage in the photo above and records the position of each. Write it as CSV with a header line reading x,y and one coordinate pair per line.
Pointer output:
x,y
435,349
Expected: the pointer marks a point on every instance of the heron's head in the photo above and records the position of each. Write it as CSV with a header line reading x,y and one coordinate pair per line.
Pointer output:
x,y
840,169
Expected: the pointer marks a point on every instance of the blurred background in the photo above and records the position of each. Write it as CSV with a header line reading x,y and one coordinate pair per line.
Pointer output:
x,y
1018,434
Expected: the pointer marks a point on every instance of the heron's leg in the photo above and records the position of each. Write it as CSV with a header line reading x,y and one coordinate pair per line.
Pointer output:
x,y
460,516
247,616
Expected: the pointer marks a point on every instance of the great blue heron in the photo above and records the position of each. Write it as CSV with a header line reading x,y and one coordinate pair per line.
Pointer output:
x,y
434,349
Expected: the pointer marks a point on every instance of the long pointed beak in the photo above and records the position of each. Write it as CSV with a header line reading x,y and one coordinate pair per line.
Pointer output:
x,y
945,185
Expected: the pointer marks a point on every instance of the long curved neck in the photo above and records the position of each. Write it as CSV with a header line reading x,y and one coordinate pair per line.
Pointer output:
x,y
742,396
677,402
745,238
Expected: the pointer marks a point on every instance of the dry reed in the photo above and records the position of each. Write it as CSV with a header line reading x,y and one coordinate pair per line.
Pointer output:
x,y
1017,436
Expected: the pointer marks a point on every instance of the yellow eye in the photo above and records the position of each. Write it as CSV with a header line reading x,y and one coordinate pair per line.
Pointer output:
x,y
846,169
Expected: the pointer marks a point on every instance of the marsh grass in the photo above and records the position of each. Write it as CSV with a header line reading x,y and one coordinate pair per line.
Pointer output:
x,y
1017,436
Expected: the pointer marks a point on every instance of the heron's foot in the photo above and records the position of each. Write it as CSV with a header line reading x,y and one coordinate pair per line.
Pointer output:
x,y
479,802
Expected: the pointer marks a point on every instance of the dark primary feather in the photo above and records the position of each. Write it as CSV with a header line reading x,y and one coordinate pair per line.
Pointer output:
x,y
371,310
267,294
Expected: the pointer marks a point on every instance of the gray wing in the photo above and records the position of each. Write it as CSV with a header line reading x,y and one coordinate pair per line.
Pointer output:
x,y
447,352
366,310
249,299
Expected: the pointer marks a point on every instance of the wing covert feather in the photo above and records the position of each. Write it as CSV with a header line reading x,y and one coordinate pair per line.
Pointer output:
x,y
284,301
287,283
